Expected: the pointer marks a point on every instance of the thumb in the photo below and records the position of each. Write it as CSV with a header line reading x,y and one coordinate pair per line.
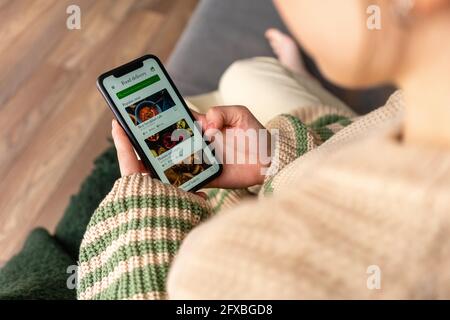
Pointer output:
x,y
224,116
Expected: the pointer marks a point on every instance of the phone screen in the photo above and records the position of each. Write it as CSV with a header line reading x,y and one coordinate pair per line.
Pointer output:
x,y
161,124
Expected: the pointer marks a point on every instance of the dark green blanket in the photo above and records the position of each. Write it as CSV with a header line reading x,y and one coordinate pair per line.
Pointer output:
x,y
40,270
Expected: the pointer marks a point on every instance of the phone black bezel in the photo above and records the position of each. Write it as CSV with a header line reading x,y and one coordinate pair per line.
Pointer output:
x,y
127,68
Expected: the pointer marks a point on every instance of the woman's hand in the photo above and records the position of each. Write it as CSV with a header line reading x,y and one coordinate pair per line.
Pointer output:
x,y
232,122
236,123
128,161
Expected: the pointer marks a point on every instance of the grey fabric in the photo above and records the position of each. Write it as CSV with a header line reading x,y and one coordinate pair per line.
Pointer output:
x,y
223,31
219,33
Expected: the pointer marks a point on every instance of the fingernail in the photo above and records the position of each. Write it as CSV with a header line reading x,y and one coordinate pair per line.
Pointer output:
x,y
113,123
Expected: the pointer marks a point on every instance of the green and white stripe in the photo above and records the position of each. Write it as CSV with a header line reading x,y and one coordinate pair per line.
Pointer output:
x,y
136,232
133,238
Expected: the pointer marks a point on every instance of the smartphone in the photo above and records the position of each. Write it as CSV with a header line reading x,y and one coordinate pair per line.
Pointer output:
x,y
159,124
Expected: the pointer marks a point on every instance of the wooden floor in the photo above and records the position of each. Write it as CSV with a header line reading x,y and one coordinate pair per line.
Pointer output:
x,y
53,122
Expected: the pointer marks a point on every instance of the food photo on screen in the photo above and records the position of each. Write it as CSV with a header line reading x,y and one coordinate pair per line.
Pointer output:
x,y
187,169
150,107
169,137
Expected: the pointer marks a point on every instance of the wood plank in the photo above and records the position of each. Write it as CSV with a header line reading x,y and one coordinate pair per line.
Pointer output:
x,y
24,113
17,16
160,6
19,60
49,84
52,211
48,146
76,49
80,167
36,174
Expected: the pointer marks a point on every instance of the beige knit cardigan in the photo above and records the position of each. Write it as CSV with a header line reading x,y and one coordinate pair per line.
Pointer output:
x,y
352,214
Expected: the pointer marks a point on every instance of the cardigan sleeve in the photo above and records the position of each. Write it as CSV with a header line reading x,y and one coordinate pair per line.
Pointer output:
x,y
137,230
133,237
301,131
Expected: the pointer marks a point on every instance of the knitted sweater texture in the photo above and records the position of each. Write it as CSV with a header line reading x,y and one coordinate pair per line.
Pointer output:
x,y
137,230
334,212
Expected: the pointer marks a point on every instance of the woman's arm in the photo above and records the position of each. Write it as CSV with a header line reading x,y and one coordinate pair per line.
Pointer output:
x,y
135,232
301,131
133,237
